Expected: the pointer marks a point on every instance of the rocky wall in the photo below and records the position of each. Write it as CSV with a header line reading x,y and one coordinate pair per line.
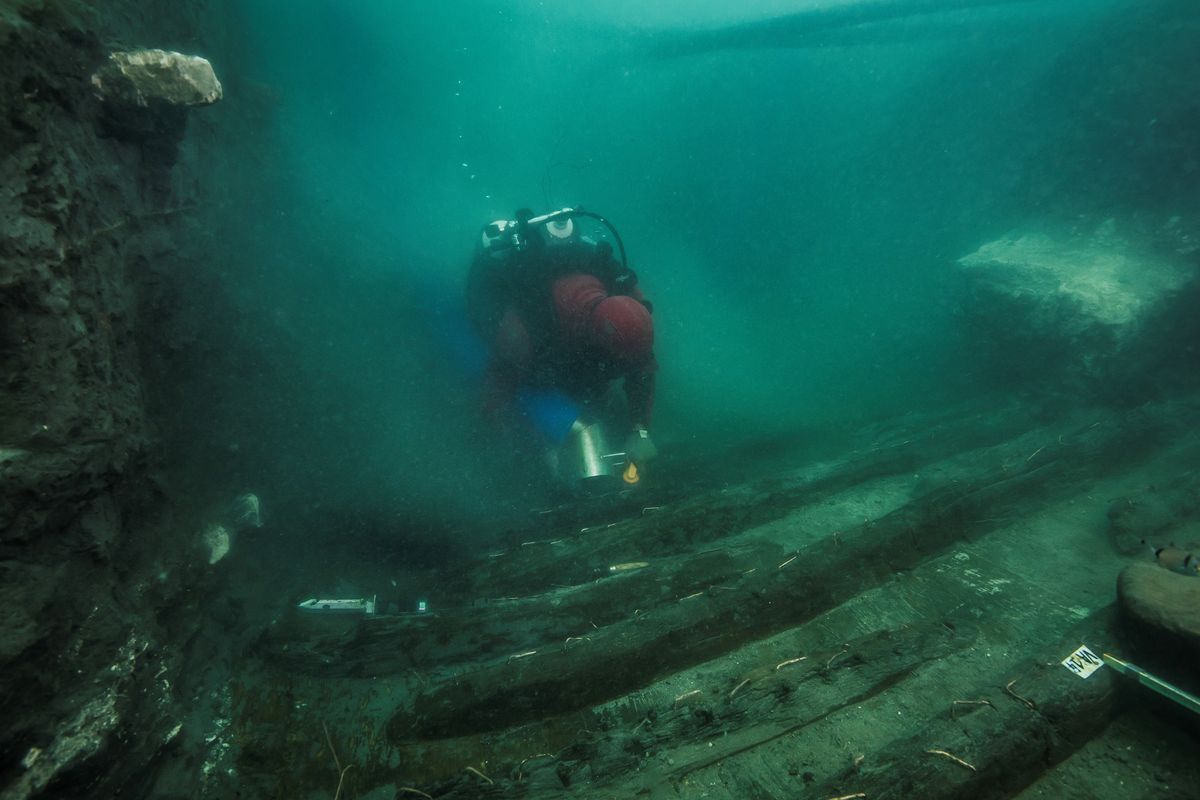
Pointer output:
x,y
94,570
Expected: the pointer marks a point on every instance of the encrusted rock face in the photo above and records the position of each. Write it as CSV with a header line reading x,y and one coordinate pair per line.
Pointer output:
x,y
147,77
89,580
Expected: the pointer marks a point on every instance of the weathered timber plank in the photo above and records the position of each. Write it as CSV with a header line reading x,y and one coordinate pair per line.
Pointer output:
x,y
765,704
1008,744
495,630
634,652
491,631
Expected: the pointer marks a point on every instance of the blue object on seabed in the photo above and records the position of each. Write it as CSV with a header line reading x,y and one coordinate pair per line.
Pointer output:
x,y
550,411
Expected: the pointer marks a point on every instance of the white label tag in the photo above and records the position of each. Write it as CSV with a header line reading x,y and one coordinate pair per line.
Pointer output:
x,y
1083,662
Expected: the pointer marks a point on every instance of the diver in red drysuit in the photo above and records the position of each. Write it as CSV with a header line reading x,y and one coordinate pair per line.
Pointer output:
x,y
560,313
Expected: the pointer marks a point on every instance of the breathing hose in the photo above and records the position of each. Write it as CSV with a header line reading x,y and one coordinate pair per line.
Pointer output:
x,y
567,213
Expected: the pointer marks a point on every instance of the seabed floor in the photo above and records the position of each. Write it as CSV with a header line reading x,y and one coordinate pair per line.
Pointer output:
x,y
889,623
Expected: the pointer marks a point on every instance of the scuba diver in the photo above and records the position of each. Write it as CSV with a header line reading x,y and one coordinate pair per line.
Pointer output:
x,y
563,321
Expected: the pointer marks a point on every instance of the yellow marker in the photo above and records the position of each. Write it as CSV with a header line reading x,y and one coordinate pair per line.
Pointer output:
x,y
631,474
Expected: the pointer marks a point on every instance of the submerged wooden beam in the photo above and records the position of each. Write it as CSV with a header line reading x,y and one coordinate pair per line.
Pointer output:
x,y
717,722
767,598
565,576
1037,720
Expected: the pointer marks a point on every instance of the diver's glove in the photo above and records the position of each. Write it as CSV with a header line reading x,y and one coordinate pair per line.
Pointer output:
x,y
639,447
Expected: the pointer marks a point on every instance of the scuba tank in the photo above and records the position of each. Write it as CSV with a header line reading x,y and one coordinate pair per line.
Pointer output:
x,y
500,236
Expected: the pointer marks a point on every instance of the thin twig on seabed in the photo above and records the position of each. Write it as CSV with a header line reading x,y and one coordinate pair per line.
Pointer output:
x,y
411,790
839,653
337,763
1008,688
953,758
480,774
980,702
783,664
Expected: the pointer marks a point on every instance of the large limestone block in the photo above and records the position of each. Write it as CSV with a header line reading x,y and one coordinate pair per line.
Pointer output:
x,y
1164,600
1078,305
148,77
1103,280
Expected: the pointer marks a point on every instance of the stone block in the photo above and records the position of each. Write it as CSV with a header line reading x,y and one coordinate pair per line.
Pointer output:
x,y
1166,601
144,78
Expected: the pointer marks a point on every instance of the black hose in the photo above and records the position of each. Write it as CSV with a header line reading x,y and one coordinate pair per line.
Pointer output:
x,y
566,213
611,227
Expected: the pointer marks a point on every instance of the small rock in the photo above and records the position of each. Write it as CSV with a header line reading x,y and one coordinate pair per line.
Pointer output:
x,y
218,542
246,512
31,757
1164,600
145,78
